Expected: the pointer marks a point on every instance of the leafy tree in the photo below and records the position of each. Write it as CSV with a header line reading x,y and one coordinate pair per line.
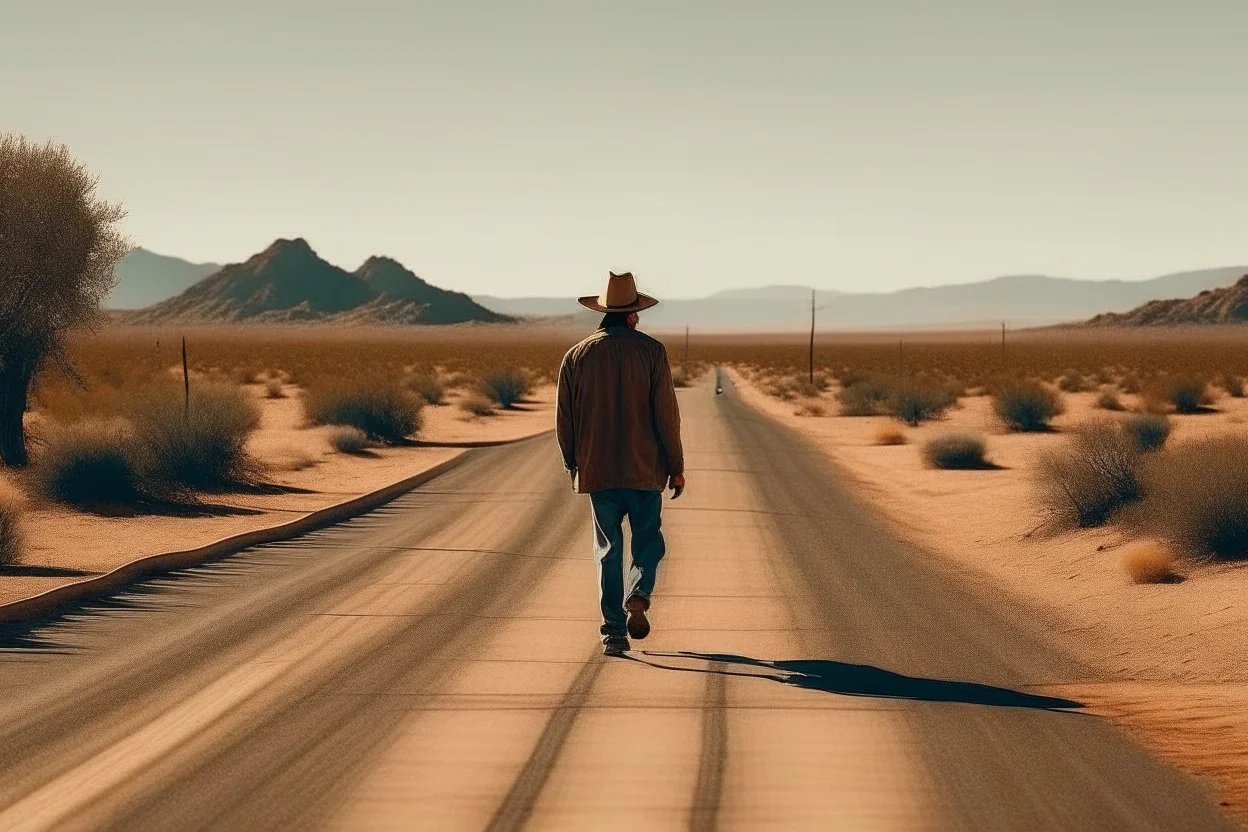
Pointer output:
x,y
59,245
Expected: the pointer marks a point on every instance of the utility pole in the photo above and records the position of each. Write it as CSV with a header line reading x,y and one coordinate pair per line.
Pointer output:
x,y
900,358
686,370
186,384
812,336
1003,345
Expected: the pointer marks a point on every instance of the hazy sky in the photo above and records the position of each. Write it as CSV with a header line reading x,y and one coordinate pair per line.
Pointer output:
x,y
524,148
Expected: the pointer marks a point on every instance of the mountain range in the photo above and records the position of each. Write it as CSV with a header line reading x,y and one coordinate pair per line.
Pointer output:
x,y
1226,305
299,286
1020,300
289,283
145,278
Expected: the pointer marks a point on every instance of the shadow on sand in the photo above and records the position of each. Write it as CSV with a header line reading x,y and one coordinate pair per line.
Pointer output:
x,y
862,680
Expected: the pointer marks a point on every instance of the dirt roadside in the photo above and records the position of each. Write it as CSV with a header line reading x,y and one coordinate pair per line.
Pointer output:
x,y
303,475
1175,655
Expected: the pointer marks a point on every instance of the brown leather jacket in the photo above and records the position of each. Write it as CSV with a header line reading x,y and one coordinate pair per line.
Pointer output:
x,y
617,422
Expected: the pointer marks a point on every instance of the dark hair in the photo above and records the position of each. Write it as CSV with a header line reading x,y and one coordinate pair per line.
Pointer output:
x,y
614,319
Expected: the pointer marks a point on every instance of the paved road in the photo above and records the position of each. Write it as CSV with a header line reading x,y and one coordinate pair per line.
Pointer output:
x,y
435,665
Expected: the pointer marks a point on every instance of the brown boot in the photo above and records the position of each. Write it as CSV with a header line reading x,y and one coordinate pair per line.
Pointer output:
x,y
638,624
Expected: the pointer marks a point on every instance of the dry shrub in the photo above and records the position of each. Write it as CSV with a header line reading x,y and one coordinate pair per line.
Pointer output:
x,y
915,401
811,407
377,405
457,381
889,435
680,378
1148,562
200,444
506,386
430,389
476,404
1195,497
241,375
347,440
1234,386
91,462
955,451
1097,473
12,508
1072,381
1026,405
297,460
274,389
863,395
790,388
1130,384
1149,431
1109,400
1186,394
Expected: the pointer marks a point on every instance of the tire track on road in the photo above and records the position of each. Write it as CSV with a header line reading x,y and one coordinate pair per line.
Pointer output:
x,y
283,765
513,813
714,756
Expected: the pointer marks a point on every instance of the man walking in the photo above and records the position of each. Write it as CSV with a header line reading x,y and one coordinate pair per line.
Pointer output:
x,y
619,431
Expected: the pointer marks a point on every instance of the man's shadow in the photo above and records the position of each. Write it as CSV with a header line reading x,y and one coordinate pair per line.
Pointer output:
x,y
863,680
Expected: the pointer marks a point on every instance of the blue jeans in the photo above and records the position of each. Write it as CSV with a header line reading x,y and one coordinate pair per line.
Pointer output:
x,y
642,508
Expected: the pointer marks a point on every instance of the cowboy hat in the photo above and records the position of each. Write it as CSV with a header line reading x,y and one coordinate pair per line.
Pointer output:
x,y
621,296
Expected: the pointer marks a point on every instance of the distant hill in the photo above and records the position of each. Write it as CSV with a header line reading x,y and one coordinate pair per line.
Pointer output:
x,y
1227,305
1020,300
289,283
386,291
144,278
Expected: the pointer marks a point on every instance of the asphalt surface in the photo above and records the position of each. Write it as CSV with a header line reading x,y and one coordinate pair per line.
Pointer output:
x,y
435,665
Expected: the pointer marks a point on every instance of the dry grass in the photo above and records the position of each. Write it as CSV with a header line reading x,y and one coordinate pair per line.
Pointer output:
x,y
1109,400
197,445
12,509
347,440
975,359
429,387
955,451
789,387
863,394
889,435
297,459
378,406
1072,381
1194,496
811,407
476,404
1148,562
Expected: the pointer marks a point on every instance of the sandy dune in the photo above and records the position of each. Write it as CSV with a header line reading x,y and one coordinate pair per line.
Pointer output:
x,y
65,545
1177,653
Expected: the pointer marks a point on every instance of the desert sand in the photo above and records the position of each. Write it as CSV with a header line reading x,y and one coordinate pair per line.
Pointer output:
x,y
64,545
1174,656
436,664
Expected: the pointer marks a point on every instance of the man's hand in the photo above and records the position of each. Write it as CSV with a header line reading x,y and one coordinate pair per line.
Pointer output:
x,y
677,483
